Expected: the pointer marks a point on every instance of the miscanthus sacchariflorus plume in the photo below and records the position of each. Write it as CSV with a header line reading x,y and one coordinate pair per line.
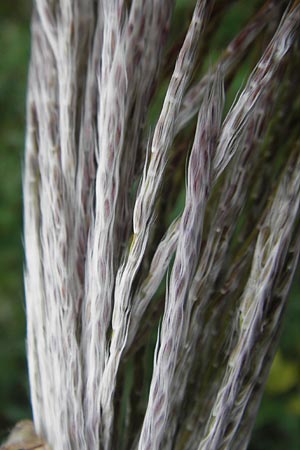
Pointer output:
x,y
159,247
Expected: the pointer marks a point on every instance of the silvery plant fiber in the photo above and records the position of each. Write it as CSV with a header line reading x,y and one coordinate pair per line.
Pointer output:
x,y
161,219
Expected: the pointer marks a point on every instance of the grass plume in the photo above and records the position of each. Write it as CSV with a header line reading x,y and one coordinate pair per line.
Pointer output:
x,y
109,275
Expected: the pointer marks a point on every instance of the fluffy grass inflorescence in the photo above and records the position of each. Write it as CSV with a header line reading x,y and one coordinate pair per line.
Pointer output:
x,y
146,331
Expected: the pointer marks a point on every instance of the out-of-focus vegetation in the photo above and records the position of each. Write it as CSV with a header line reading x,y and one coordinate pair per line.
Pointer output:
x,y
278,422
14,42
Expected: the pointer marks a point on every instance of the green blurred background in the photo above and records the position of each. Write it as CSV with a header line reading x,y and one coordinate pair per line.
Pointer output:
x,y
278,423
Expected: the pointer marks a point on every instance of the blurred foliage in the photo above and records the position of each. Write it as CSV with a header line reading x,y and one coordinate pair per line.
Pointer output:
x,y
14,41
278,422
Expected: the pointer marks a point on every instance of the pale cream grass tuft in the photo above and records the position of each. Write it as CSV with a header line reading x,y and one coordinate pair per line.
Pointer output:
x,y
114,280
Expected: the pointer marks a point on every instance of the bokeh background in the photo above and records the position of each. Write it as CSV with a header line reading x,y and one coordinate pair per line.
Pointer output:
x,y
278,422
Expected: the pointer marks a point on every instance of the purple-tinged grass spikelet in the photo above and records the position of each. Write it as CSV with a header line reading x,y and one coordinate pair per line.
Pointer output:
x,y
177,309
104,267
252,315
263,73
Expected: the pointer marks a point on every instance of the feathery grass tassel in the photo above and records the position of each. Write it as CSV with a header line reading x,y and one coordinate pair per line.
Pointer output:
x,y
130,255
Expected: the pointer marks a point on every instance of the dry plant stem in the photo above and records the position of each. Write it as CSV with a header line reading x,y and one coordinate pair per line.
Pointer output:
x,y
23,437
